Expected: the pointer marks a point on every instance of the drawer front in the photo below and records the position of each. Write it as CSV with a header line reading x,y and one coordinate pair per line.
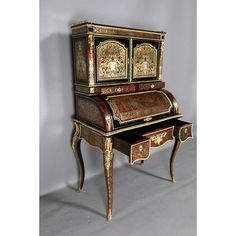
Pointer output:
x,y
116,89
160,137
150,86
140,151
185,132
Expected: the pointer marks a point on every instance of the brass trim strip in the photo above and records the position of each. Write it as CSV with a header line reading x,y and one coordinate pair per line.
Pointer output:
x,y
132,82
74,26
130,59
107,134
130,94
129,29
117,36
160,69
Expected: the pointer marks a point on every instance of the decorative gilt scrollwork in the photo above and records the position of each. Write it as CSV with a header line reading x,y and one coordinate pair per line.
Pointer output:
x,y
108,154
91,58
157,139
161,61
76,137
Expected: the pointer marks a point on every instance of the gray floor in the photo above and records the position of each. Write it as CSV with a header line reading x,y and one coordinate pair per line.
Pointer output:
x,y
145,201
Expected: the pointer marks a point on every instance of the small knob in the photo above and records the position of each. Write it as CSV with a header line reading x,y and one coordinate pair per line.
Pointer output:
x,y
141,148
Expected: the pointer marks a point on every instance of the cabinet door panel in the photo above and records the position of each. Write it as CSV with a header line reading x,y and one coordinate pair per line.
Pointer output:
x,y
112,60
145,60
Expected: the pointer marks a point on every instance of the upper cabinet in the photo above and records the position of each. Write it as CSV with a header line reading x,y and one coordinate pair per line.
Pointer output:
x,y
109,56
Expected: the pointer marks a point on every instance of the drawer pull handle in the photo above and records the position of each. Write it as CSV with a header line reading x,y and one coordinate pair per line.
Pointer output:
x,y
157,139
185,130
141,148
152,85
147,119
119,90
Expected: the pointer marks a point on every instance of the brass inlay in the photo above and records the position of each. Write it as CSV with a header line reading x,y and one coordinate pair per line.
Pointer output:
x,y
121,83
91,59
127,119
80,60
110,133
144,61
191,133
109,215
119,36
113,29
142,149
112,60
161,61
130,59
108,154
147,119
157,139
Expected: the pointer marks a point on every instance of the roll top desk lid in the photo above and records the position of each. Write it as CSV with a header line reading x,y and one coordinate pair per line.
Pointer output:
x,y
135,106
116,111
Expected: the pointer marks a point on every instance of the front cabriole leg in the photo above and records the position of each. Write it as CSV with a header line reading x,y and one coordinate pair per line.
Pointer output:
x,y
108,171
76,142
172,159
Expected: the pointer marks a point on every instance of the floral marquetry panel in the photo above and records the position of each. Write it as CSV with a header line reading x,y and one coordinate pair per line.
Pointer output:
x,y
80,59
144,61
112,60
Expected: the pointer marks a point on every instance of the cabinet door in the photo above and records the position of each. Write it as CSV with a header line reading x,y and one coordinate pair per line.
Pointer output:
x,y
111,59
145,60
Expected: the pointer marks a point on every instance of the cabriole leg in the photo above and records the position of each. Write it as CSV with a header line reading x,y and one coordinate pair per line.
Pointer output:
x,y
108,171
172,159
76,142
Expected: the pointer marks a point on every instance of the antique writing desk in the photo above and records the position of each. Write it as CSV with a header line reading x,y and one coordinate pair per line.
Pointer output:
x,y
120,100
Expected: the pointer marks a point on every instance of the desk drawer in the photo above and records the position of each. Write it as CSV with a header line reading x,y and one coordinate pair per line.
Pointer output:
x,y
135,146
158,136
183,130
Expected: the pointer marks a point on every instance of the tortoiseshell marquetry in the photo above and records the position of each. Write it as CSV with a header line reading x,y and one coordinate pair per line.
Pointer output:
x,y
80,52
136,106
112,60
144,61
120,100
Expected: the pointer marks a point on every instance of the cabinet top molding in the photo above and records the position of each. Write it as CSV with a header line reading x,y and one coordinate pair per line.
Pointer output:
x,y
85,27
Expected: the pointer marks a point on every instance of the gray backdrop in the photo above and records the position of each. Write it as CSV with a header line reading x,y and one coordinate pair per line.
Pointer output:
x,y
177,18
